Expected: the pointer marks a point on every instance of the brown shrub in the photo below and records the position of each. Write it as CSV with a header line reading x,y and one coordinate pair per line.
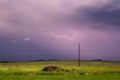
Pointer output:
x,y
52,68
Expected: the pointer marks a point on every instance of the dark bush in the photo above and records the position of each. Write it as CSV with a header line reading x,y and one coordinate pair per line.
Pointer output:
x,y
52,68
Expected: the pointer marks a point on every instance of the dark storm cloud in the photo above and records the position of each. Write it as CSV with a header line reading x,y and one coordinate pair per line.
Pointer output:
x,y
99,16
104,16
15,47
24,14
21,50
52,29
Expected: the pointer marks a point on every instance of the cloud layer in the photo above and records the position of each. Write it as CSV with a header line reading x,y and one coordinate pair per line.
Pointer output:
x,y
44,29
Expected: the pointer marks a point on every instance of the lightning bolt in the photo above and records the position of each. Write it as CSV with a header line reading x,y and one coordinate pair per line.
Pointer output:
x,y
35,15
52,33
64,36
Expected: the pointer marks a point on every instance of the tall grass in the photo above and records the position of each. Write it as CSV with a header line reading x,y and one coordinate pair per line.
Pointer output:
x,y
32,70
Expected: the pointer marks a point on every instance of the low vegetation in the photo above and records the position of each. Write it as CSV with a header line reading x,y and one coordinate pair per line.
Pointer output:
x,y
68,70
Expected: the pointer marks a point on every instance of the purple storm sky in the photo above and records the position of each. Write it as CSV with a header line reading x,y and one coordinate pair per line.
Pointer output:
x,y
52,29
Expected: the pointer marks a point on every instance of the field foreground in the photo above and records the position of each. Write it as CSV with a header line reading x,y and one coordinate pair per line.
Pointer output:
x,y
89,70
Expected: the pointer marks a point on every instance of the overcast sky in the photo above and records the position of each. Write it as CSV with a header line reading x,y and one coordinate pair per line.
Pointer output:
x,y
52,29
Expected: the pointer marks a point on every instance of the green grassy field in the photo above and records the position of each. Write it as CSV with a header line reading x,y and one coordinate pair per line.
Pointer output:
x,y
89,70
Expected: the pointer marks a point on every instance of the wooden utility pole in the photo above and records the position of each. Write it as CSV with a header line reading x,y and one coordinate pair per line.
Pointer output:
x,y
79,54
